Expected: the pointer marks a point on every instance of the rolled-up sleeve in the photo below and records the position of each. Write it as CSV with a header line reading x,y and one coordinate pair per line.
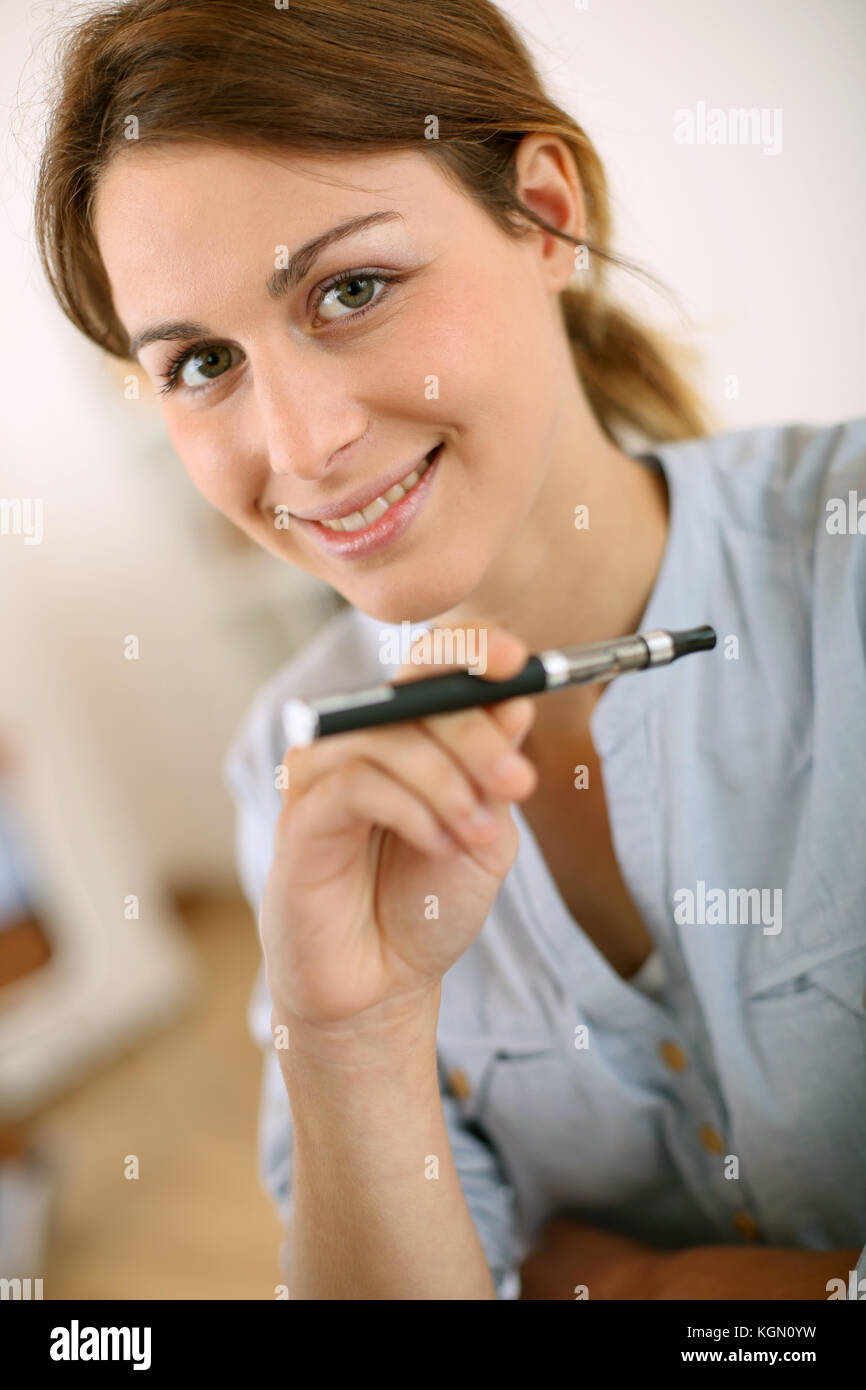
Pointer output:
x,y
489,1197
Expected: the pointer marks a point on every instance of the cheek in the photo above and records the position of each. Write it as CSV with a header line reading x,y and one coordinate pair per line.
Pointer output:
x,y
489,341
207,455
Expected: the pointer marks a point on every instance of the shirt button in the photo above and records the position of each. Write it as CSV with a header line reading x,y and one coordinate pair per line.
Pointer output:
x,y
672,1054
458,1084
711,1139
746,1225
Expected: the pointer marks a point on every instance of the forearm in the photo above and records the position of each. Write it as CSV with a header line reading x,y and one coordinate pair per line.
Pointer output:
x,y
732,1272
370,1220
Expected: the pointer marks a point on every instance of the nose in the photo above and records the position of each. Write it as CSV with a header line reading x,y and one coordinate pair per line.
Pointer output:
x,y
306,415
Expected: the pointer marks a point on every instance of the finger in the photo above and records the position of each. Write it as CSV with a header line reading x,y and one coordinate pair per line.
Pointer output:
x,y
514,717
357,794
426,769
499,652
477,742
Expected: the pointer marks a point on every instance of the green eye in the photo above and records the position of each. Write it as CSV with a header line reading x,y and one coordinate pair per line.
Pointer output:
x,y
355,292
211,362
351,294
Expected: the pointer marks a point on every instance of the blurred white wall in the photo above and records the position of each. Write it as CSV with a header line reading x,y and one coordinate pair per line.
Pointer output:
x,y
764,251
128,548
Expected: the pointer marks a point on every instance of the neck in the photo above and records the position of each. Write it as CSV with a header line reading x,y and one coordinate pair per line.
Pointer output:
x,y
562,586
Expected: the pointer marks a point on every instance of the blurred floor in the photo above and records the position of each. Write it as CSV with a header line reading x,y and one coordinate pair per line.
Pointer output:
x,y
196,1223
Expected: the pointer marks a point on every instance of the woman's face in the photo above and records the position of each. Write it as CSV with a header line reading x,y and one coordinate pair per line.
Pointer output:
x,y
316,385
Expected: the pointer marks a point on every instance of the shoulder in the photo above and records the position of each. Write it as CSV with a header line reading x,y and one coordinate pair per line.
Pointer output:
x,y
776,480
776,518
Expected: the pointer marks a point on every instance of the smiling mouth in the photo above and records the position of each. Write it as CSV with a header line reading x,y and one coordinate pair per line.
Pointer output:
x,y
356,521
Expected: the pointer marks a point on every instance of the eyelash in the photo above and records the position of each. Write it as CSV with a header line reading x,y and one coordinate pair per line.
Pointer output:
x,y
172,371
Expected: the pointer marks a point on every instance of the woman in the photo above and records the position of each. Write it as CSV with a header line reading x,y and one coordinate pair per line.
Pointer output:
x,y
571,989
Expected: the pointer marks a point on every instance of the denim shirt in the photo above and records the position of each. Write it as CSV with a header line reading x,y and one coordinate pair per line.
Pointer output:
x,y
721,1098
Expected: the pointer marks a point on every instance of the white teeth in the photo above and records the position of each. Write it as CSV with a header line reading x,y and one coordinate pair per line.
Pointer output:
x,y
376,509
380,505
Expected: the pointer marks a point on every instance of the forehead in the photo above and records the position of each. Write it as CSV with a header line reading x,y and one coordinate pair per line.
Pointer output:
x,y
207,173
175,216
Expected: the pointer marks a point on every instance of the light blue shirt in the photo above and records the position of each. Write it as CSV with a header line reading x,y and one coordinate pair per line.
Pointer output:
x,y
720,1096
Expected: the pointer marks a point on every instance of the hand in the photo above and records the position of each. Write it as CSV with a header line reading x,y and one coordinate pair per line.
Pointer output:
x,y
376,825
573,1254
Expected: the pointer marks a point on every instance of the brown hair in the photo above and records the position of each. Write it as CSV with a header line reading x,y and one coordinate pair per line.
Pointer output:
x,y
338,76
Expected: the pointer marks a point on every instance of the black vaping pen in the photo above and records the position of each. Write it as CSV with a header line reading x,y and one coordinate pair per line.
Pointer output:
x,y
306,720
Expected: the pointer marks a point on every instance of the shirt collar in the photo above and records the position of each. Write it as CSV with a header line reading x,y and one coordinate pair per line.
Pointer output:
x,y
677,599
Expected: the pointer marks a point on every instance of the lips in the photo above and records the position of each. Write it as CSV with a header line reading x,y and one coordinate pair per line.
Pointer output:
x,y
354,505
365,516
368,537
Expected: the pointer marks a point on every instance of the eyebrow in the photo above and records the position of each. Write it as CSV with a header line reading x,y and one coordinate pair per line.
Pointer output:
x,y
277,284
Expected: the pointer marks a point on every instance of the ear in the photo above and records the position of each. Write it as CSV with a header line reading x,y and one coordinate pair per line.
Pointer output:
x,y
548,183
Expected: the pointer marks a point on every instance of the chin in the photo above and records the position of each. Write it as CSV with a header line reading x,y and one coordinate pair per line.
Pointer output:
x,y
412,604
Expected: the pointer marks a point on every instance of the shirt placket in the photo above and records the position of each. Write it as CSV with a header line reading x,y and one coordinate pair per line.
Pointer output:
x,y
677,1033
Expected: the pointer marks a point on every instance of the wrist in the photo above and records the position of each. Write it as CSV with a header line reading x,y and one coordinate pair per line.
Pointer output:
x,y
387,1036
